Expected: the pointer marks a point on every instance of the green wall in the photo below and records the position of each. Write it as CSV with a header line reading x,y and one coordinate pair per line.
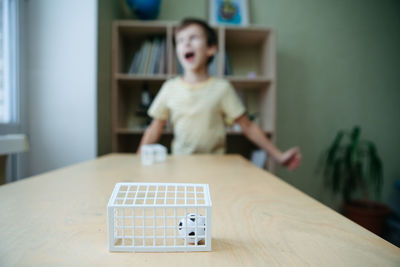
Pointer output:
x,y
338,66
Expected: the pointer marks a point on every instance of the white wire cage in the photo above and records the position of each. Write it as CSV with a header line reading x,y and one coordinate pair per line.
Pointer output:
x,y
159,217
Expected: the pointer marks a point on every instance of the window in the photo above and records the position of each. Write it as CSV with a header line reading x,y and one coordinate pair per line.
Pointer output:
x,y
10,94
8,62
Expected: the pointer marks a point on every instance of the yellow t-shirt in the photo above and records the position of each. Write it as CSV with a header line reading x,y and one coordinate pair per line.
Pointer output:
x,y
197,113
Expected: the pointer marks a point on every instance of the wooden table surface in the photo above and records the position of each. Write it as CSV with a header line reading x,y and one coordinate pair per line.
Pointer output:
x,y
59,218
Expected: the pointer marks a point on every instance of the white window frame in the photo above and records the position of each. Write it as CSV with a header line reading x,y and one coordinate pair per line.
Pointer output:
x,y
11,67
17,163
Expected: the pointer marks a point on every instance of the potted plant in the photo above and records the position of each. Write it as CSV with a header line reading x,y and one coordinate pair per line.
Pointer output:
x,y
353,168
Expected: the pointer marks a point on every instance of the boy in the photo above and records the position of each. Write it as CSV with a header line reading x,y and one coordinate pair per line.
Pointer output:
x,y
197,103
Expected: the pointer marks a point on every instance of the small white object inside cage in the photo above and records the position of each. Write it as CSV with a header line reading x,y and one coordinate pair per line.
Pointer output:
x,y
192,227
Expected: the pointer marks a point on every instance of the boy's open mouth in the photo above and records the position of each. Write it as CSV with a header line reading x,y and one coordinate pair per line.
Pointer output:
x,y
189,56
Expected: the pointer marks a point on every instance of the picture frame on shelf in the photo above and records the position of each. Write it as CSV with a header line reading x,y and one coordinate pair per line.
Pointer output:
x,y
229,12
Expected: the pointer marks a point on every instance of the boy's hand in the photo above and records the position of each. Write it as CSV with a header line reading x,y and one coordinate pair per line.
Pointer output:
x,y
291,158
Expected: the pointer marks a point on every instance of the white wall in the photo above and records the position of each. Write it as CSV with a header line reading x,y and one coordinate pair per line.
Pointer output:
x,y
60,76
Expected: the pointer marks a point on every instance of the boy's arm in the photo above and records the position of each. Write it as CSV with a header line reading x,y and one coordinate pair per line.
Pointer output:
x,y
290,158
152,133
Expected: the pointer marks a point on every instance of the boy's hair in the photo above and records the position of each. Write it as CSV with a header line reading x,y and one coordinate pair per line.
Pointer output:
x,y
210,32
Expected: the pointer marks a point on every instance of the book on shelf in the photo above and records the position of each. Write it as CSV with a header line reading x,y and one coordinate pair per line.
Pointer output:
x,y
145,57
162,64
150,57
134,67
153,56
157,61
228,65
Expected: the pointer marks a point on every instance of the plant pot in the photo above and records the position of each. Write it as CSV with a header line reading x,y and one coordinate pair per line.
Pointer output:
x,y
370,215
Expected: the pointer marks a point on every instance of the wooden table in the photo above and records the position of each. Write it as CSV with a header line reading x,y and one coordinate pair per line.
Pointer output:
x,y
59,218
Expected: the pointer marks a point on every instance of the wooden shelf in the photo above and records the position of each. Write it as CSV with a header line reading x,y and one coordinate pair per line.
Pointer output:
x,y
245,82
141,131
136,77
246,36
131,79
236,81
231,132
249,50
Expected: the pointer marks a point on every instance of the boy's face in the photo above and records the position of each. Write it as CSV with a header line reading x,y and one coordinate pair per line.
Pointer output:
x,y
192,49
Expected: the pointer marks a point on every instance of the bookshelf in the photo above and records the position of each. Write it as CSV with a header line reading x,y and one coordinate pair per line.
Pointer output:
x,y
251,55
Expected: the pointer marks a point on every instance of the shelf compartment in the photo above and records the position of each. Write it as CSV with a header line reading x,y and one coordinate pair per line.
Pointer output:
x,y
129,99
125,80
250,51
128,143
248,83
144,77
129,38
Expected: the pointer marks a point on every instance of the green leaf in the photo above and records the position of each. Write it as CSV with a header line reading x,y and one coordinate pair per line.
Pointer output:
x,y
354,146
375,169
352,164
334,149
